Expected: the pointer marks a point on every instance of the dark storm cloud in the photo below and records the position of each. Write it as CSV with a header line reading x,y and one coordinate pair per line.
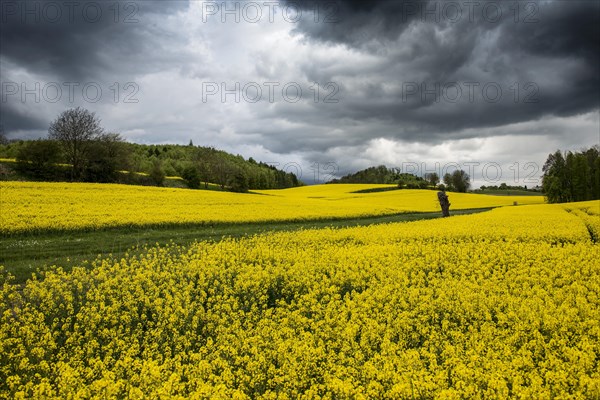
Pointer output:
x,y
84,41
550,50
76,40
356,21
566,28
18,119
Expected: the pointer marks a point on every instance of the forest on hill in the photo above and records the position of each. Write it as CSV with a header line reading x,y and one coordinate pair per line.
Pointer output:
x,y
79,150
112,160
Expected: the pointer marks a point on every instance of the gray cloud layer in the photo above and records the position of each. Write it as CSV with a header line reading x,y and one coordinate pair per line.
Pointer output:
x,y
550,49
79,42
385,56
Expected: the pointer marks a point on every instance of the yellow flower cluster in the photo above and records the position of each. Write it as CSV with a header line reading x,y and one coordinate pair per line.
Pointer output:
x,y
503,304
589,212
37,206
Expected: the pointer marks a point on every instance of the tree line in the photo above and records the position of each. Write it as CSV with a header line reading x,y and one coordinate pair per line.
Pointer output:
x,y
504,186
572,176
78,149
457,181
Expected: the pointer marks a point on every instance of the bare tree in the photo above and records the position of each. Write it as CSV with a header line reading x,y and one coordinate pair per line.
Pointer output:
x,y
75,129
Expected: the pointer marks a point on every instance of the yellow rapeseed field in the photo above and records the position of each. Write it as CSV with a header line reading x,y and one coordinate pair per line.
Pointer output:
x,y
496,305
39,206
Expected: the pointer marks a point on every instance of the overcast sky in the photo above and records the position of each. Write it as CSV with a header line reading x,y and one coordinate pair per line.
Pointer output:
x,y
326,87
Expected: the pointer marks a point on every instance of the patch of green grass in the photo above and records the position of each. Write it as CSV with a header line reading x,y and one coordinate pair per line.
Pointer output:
x,y
24,255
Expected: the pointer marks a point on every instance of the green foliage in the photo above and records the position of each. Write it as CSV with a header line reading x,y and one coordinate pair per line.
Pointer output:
x,y
37,159
157,174
572,176
504,186
433,178
106,157
457,181
448,182
213,166
191,177
382,175
412,185
460,181
239,182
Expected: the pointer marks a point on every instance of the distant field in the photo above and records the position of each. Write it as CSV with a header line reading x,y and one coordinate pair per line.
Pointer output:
x,y
507,192
37,207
